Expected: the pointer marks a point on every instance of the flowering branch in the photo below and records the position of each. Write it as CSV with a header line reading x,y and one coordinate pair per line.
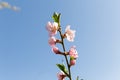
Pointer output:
x,y
64,52
65,55
69,34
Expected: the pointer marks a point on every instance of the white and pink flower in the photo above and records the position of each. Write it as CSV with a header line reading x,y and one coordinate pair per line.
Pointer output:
x,y
70,34
52,41
61,75
52,28
73,52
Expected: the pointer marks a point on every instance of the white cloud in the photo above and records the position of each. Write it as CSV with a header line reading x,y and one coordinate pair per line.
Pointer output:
x,y
7,5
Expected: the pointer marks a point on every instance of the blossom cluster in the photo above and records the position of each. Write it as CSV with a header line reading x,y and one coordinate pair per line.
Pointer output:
x,y
53,28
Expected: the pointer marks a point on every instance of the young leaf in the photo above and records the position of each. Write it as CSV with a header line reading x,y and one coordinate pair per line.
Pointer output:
x,y
62,68
56,17
77,78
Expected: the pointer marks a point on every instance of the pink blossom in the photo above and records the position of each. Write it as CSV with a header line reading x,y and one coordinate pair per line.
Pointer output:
x,y
73,52
52,28
52,41
61,75
56,50
72,62
70,34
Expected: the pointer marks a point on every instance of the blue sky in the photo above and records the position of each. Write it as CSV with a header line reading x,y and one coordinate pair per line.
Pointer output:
x,y
26,55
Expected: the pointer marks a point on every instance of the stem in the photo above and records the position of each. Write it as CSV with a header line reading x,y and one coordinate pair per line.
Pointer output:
x,y
65,55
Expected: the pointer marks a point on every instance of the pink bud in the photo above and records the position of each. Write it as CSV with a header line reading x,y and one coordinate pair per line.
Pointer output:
x,y
52,41
61,75
56,50
72,62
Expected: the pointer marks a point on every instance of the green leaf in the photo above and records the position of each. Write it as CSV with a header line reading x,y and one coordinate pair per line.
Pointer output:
x,y
62,68
72,58
56,17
